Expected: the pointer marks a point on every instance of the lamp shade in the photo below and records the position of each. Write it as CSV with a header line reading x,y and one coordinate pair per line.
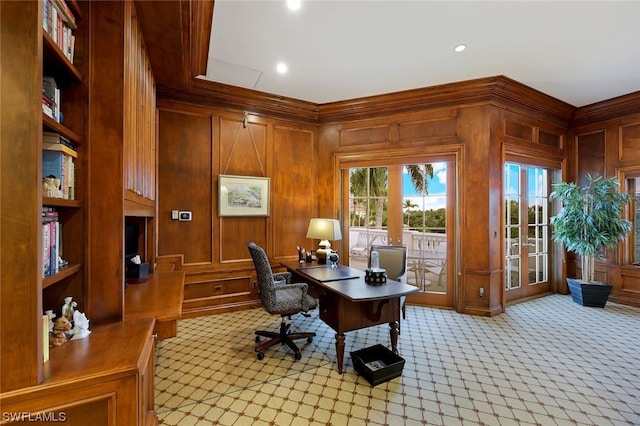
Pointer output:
x,y
324,229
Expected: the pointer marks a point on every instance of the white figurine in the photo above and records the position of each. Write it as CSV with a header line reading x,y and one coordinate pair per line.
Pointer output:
x,y
80,326
68,308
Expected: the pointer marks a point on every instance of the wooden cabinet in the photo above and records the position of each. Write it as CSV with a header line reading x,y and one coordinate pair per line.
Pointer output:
x,y
104,379
29,53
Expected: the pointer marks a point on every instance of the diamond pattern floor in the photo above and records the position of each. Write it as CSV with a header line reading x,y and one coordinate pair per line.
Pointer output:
x,y
544,362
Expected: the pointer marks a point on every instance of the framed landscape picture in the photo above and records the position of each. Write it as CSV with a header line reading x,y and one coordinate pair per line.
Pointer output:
x,y
243,196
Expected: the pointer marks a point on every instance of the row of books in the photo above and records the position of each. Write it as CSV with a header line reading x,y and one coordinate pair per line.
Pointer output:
x,y
58,172
51,98
52,141
51,242
59,22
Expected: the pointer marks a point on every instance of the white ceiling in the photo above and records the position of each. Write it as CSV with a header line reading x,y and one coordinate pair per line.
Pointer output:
x,y
580,52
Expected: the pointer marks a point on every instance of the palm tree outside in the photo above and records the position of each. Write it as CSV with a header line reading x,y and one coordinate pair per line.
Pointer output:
x,y
371,183
407,207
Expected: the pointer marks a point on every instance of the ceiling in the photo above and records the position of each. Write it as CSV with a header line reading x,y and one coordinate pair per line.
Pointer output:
x,y
580,52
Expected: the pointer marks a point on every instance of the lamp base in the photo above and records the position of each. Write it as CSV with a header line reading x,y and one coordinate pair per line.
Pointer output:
x,y
322,254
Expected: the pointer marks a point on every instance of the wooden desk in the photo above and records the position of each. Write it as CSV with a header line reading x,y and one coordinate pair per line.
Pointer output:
x,y
352,304
159,298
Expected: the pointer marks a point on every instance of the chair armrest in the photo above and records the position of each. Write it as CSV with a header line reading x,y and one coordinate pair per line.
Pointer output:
x,y
282,275
291,286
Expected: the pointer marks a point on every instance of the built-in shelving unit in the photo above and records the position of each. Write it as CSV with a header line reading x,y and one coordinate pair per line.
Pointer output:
x,y
68,280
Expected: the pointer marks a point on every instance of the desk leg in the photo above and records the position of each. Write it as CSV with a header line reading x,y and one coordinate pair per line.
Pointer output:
x,y
394,332
340,350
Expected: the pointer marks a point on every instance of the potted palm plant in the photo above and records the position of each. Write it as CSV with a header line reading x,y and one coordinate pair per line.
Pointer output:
x,y
591,218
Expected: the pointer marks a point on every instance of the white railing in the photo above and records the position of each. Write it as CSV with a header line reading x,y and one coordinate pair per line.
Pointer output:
x,y
420,244
361,240
417,243
426,254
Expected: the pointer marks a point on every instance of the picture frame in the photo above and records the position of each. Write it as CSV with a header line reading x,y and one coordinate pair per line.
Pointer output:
x,y
243,195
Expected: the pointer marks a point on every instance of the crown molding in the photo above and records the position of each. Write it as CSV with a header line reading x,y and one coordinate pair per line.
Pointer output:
x,y
220,95
498,90
609,109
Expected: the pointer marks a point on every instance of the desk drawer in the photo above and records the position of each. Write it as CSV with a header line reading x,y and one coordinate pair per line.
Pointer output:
x,y
198,290
329,306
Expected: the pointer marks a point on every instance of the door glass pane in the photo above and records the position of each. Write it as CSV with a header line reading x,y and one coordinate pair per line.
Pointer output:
x,y
424,203
368,205
512,221
538,224
526,191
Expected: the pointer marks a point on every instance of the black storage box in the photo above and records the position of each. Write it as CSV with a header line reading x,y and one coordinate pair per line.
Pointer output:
x,y
137,272
377,364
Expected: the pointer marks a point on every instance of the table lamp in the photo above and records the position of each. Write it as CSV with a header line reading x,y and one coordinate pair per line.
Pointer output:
x,y
324,230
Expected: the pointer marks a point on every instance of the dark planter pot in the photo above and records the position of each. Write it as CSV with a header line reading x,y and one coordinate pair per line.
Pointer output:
x,y
589,294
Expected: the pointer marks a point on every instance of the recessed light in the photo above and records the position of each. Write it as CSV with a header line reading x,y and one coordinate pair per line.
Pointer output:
x,y
294,4
460,47
281,68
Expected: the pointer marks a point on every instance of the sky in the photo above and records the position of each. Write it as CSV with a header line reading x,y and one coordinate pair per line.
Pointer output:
x,y
437,189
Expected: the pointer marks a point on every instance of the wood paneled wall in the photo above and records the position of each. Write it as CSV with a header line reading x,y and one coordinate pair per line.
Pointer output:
x,y
197,143
610,145
480,122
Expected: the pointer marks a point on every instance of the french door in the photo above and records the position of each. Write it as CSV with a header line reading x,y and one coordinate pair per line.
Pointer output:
x,y
527,232
409,204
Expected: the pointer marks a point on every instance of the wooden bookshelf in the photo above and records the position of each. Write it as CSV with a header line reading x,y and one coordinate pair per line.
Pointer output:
x,y
63,273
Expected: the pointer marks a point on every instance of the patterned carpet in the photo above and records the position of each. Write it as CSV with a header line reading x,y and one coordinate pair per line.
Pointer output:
x,y
544,362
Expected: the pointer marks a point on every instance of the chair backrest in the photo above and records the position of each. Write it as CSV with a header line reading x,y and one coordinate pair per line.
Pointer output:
x,y
393,259
264,274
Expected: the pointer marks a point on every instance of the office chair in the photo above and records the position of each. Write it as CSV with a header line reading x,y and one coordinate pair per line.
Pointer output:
x,y
279,297
394,260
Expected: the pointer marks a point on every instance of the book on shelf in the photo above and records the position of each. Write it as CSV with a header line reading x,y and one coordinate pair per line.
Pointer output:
x,y
59,22
46,108
60,147
67,15
46,241
45,338
52,141
51,241
51,96
53,246
53,137
71,178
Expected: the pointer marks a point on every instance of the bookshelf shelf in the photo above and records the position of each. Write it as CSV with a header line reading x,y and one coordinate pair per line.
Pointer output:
x,y
61,202
49,123
58,66
65,272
